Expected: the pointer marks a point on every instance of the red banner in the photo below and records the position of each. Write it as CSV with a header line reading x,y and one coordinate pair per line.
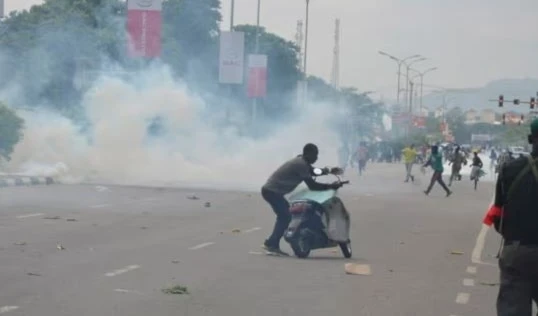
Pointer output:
x,y
144,24
257,76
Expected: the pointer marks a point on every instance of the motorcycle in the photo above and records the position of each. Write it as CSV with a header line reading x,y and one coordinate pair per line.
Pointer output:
x,y
319,220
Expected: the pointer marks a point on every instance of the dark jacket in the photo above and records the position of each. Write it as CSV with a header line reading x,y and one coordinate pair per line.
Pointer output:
x,y
518,202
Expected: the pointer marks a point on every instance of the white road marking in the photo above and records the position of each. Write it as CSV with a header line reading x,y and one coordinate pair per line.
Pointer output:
x,y
200,246
122,271
30,215
476,256
463,298
5,309
471,270
127,291
100,205
252,230
468,282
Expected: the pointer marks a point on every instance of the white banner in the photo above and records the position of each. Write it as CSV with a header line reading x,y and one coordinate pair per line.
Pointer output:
x,y
232,57
144,5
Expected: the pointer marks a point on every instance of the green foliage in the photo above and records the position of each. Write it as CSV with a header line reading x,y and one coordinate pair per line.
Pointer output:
x,y
10,130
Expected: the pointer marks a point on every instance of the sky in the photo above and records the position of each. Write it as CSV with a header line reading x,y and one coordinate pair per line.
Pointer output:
x,y
471,42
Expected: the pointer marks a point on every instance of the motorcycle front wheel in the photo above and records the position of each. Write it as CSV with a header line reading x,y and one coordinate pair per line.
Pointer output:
x,y
346,249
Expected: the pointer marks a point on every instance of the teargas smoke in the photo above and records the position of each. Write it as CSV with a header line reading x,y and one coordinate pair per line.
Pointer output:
x,y
189,148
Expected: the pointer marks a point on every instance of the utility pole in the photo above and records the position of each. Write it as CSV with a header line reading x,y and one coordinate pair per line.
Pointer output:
x,y
335,75
257,51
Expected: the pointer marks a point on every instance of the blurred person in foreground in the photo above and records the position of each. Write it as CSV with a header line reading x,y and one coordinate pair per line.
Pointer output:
x,y
436,162
456,161
283,181
514,214
410,156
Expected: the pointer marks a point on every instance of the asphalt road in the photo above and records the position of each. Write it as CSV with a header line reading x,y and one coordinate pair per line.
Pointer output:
x,y
120,246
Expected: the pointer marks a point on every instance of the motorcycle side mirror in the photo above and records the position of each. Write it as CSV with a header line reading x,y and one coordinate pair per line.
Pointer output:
x,y
318,172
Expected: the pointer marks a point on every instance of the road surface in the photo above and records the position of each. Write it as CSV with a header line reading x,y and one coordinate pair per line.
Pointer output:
x,y
110,250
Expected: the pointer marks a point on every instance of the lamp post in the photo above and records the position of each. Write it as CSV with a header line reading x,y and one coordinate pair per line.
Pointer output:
x,y
256,51
232,16
421,75
408,67
400,62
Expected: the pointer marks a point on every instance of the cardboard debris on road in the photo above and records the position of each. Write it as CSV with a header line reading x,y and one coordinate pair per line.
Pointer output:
x,y
457,253
52,217
71,220
20,243
193,197
207,204
60,247
358,269
236,231
33,274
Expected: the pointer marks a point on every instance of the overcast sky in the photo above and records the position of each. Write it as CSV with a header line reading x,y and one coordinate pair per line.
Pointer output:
x,y
471,41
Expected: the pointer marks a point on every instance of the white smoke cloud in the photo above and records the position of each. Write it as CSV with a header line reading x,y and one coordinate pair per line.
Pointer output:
x,y
193,150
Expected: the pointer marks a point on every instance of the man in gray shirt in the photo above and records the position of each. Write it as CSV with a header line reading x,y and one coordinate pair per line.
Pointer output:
x,y
283,181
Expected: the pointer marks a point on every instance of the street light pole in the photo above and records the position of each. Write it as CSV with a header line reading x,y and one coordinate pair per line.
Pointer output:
x,y
399,62
305,79
256,50
408,67
421,75
306,37
232,16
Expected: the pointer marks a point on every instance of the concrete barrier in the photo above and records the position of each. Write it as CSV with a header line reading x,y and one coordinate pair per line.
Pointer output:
x,y
17,181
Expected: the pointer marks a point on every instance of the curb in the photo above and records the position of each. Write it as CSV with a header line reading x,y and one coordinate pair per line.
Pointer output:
x,y
25,181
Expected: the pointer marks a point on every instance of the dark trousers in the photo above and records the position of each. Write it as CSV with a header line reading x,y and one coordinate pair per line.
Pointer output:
x,y
519,280
281,207
437,177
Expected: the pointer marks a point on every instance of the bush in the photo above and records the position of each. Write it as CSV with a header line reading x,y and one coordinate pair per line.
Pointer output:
x,y
11,127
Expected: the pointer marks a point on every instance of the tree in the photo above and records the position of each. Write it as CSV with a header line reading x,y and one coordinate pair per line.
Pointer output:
x,y
10,130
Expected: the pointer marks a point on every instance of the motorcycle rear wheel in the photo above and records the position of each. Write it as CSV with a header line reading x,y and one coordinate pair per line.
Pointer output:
x,y
301,246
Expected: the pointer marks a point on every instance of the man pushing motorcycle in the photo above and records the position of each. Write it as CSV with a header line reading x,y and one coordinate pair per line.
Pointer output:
x,y
283,181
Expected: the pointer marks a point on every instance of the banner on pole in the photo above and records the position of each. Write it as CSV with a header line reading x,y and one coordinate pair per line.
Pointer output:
x,y
232,57
257,76
144,24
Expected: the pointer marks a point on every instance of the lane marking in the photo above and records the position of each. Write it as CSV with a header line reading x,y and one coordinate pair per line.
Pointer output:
x,y
252,230
100,205
5,309
122,271
30,215
471,270
476,256
127,291
468,282
200,246
463,298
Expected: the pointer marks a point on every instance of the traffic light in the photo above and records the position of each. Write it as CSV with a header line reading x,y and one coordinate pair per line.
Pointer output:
x,y
501,100
533,103
516,101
